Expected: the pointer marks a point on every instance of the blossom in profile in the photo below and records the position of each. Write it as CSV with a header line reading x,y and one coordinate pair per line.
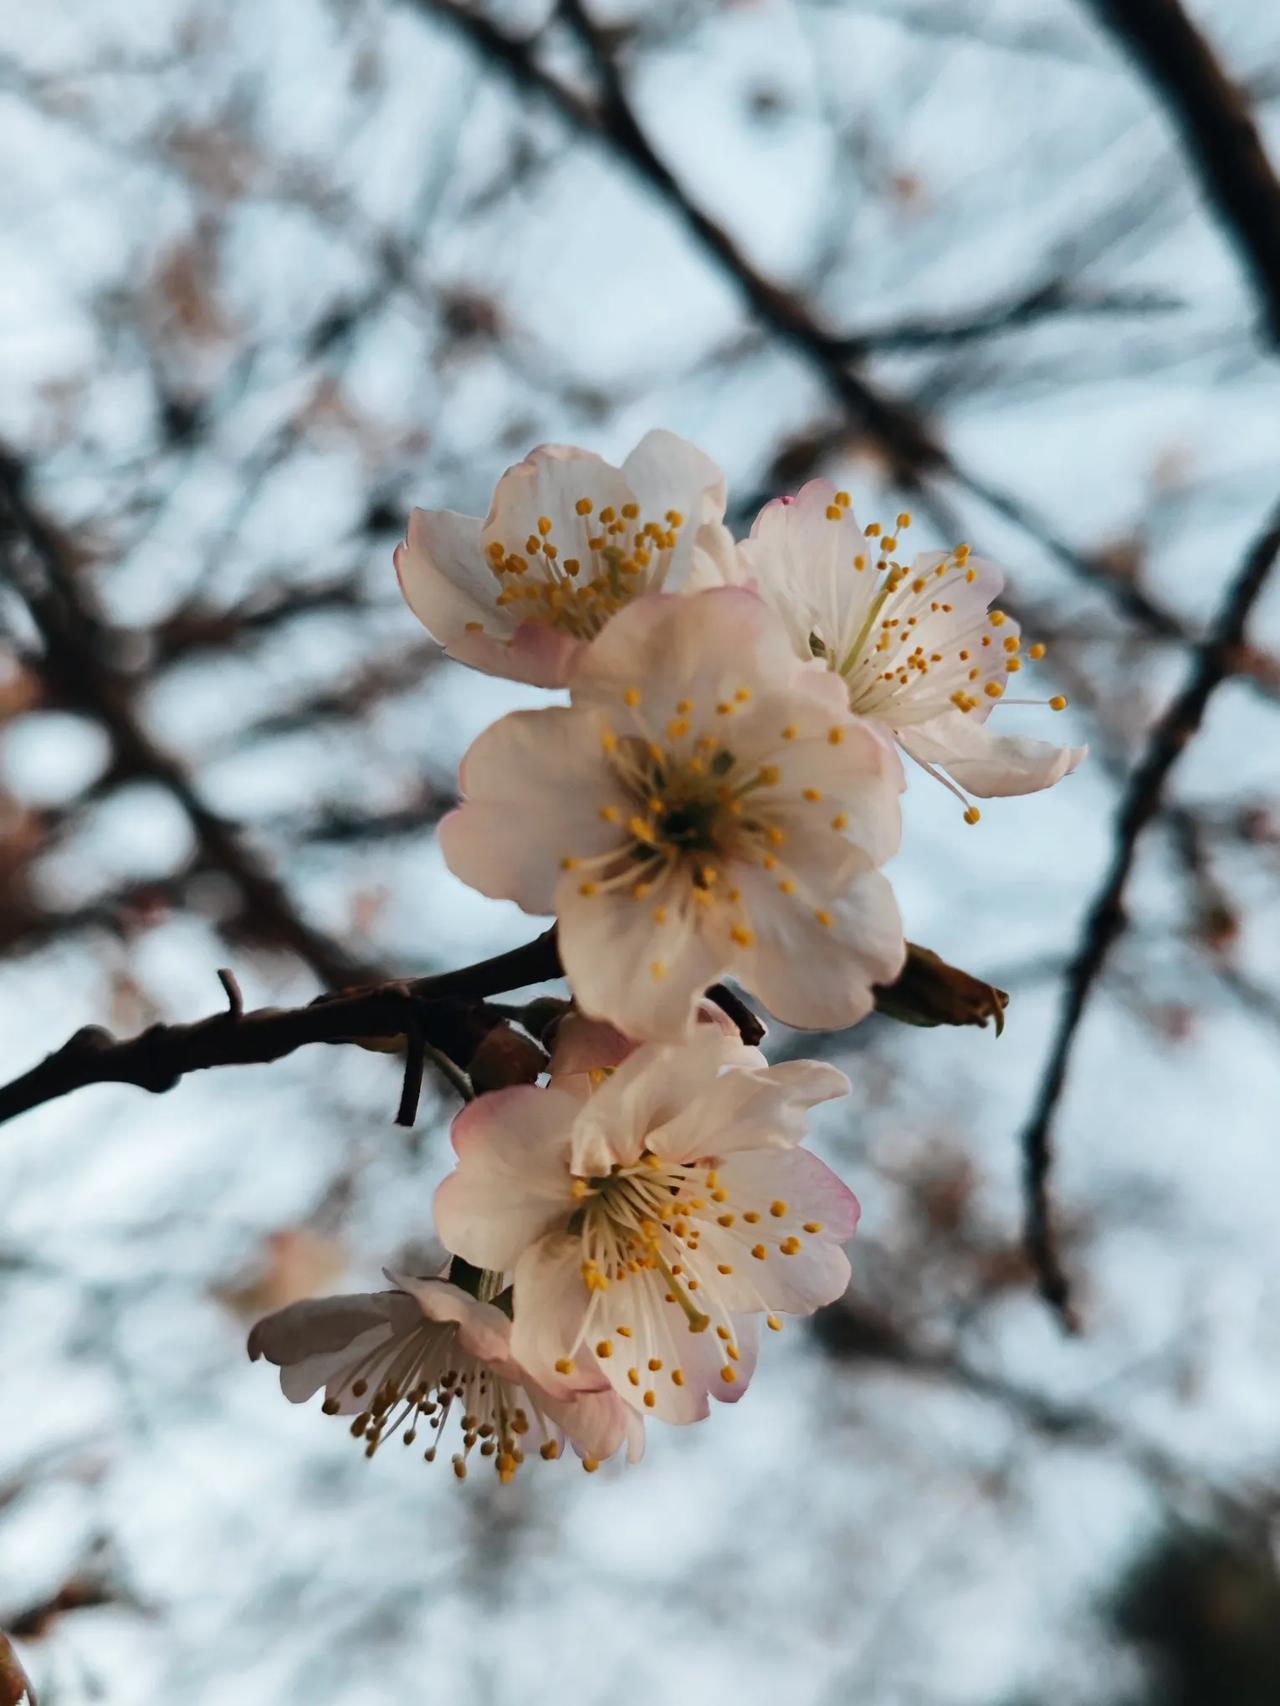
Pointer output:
x,y
407,1362
651,1225
919,647
707,805
568,542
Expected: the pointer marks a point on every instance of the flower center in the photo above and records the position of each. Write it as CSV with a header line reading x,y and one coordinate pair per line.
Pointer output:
x,y
576,583
425,1377
674,1227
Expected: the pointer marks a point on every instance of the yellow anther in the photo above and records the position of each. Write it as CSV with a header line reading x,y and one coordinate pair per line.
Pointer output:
x,y
759,1252
1058,702
591,1464
549,1450
496,551
657,970
579,1189
650,1399
812,1226
724,1268
1036,651
824,918
770,775
604,1348
790,1246
789,733
834,512
1012,642
677,728
633,1375
786,886
743,695
742,936
773,1324
813,795
872,529
583,506
608,514
588,889
725,1219
564,1365
631,696
972,815
904,519
843,499
610,814
724,708
839,821
631,511
835,736
777,1208
623,1332
997,618
677,1377
993,690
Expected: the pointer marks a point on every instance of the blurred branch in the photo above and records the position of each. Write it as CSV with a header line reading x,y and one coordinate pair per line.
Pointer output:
x,y
1211,663
850,1332
1050,300
1217,129
40,565
911,448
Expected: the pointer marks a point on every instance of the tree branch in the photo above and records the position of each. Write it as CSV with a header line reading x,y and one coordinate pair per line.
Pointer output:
x,y
913,451
446,1012
1212,116
1211,663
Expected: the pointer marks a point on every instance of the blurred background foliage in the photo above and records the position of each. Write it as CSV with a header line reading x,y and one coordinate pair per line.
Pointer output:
x,y
271,274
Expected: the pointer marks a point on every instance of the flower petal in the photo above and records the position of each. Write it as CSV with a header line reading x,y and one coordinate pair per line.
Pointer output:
x,y
484,1331
512,1181
987,764
820,975
743,1110
535,784
640,964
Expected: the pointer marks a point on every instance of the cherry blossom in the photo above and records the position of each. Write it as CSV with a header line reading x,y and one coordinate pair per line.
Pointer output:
x,y
919,648
404,1361
705,805
568,542
648,1227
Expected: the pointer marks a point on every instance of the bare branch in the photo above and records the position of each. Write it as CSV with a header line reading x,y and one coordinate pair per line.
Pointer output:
x,y
1217,129
1211,663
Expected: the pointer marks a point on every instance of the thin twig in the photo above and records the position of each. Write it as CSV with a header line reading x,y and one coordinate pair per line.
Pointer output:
x,y
1211,663
235,998
1217,129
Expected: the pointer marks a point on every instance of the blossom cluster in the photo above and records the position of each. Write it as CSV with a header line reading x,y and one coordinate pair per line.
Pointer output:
x,y
717,798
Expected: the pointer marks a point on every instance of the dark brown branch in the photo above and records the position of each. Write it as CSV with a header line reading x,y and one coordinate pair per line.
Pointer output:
x,y
1216,126
39,563
1211,663
446,1012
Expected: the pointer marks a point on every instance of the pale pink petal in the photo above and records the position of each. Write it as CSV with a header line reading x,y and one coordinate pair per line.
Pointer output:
x,y
586,1045
512,1181
484,1331
668,473
987,764
640,964
803,562
547,486
620,1333
535,783
664,644
818,973
596,1423
742,1110
648,1089
445,579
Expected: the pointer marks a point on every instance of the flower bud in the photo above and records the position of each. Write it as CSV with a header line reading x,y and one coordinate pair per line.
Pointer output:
x,y
930,992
